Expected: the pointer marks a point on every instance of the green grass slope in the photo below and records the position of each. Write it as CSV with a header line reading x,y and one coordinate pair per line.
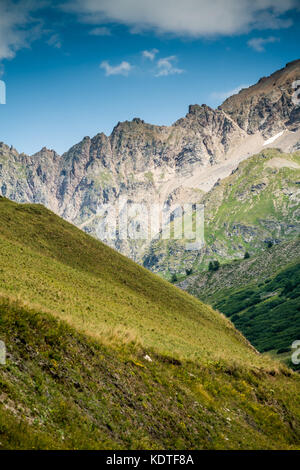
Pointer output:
x,y
62,390
78,318
53,265
257,203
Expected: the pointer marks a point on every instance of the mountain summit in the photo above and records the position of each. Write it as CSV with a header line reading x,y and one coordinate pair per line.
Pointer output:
x,y
268,106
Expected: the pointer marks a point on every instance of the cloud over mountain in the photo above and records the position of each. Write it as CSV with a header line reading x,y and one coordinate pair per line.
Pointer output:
x,y
192,18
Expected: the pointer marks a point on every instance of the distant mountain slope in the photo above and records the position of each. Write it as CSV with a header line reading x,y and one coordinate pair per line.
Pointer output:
x,y
259,294
211,286
258,203
269,313
78,320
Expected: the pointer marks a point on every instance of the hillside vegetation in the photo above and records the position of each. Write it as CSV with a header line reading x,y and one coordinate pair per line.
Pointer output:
x,y
268,314
78,320
50,264
260,294
212,286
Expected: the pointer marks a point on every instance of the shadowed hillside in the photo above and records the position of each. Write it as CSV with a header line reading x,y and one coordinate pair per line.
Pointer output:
x,y
260,294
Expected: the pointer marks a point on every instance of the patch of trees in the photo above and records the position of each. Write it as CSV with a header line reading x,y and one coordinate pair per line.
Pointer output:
x,y
213,265
268,314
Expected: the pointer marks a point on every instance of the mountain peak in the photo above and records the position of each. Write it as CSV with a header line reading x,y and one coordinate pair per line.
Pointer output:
x,y
44,152
197,108
268,105
293,62
137,120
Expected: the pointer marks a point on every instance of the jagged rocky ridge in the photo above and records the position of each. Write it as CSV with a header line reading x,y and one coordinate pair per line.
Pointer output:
x,y
147,163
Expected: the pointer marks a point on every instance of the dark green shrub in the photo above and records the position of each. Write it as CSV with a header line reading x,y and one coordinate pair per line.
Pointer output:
x,y
283,350
213,265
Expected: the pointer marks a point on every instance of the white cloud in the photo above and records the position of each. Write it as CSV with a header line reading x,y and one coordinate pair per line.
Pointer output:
x,y
150,54
18,27
220,96
165,67
54,41
192,18
122,69
258,44
101,31
162,67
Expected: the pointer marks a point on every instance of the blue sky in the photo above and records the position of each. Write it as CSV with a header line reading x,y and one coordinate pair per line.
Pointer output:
x,y
76,68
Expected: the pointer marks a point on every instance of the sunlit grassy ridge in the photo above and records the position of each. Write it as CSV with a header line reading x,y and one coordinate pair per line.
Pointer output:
x,y
259,201
78,319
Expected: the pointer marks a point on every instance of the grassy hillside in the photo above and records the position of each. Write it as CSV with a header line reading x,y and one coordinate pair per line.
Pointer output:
x,y
259,202
78,320
58,268
60,389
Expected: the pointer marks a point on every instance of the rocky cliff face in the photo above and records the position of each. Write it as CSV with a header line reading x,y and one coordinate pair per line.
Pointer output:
x,y
147,163
268,106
